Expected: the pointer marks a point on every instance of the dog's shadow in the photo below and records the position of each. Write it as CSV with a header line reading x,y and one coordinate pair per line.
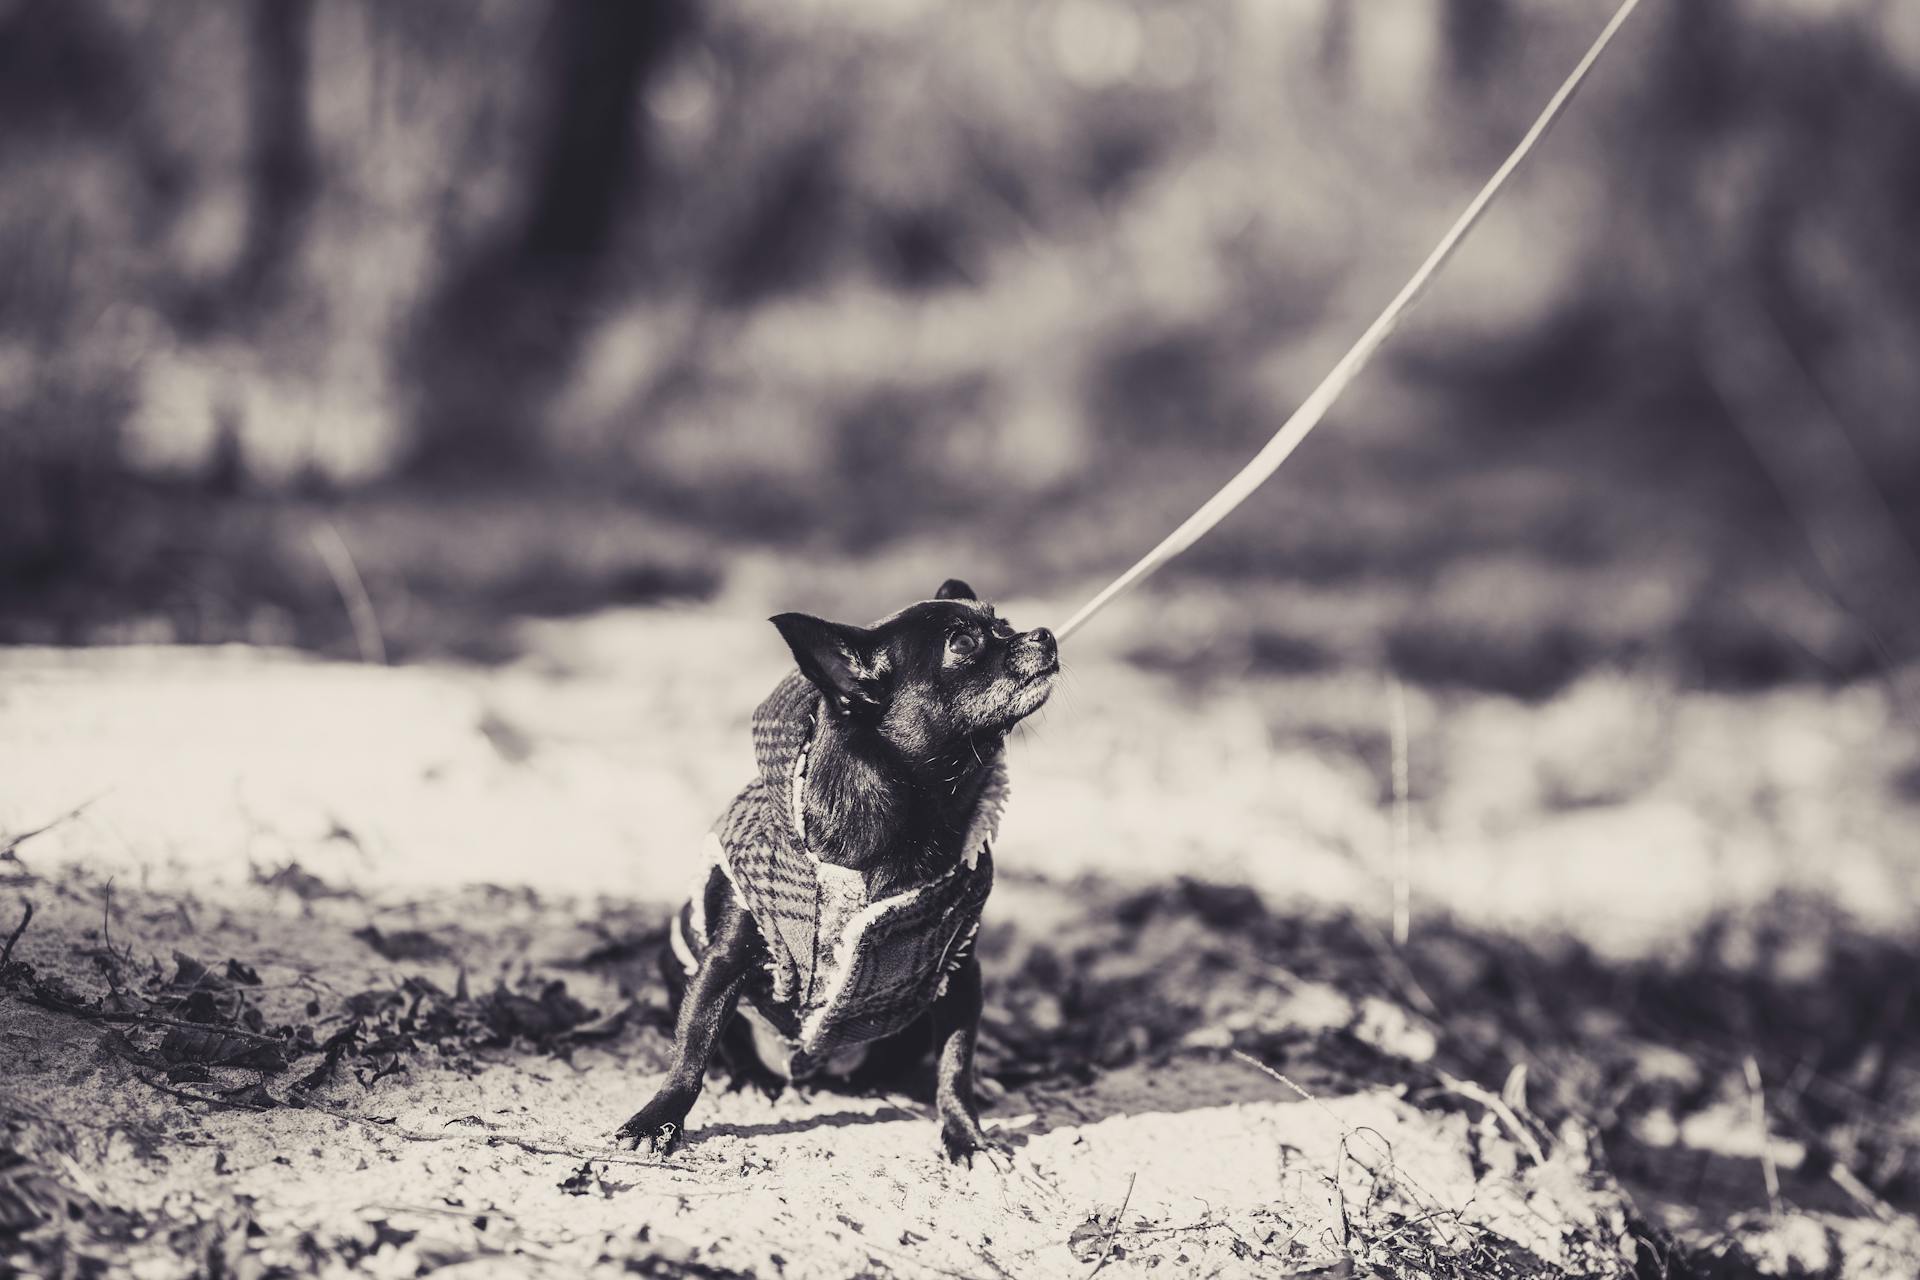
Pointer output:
x,y
804,1124
1169,1082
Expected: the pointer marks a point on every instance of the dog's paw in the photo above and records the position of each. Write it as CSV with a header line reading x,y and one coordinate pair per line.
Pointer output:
x,y
963,1139
658,1126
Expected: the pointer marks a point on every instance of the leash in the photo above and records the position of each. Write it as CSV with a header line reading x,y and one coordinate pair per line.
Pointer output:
x,y
1314,407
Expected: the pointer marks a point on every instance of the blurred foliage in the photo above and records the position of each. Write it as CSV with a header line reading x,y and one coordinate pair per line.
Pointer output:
x,y
621,292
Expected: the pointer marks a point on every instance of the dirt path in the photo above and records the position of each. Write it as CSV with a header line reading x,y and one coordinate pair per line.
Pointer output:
x,y
472,1152
418,857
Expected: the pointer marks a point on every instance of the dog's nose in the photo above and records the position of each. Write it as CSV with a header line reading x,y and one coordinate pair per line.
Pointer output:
x,y
1048,645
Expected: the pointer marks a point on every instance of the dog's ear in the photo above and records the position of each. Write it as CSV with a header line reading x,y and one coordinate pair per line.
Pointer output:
x,y
954,589
841,661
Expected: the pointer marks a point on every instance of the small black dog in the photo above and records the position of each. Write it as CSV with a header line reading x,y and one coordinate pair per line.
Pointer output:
x,y
845,883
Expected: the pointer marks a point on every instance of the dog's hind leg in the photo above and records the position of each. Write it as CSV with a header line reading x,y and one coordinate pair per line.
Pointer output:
x,y
745,1067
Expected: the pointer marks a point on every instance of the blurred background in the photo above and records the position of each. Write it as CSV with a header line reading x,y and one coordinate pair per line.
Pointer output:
x,y
526,309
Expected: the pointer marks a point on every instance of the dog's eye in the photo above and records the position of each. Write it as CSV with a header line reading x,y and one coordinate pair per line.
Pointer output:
x,y
963,643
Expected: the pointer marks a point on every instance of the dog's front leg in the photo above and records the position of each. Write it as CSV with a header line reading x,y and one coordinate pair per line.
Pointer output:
x,y
956,1025
704,1009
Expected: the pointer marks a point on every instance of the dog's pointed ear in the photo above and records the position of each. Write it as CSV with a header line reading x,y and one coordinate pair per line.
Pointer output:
x,y
954,589
841,661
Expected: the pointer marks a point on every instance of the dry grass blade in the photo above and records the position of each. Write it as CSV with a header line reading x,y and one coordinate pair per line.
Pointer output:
x,y
335,554
1107,1250
1861,1194
1768,1169
1402,823
1499,1106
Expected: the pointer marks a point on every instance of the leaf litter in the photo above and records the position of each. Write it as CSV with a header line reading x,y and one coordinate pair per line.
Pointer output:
x,y
1152,982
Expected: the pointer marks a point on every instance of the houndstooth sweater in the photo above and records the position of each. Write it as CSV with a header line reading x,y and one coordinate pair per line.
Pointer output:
x,y
845,968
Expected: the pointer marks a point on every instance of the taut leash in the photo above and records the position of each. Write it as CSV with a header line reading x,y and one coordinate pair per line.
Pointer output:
x,y
1311,410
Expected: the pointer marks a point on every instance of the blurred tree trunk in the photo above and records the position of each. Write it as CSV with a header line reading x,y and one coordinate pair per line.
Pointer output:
x,y
1335,54
502,330
1476,32
282,168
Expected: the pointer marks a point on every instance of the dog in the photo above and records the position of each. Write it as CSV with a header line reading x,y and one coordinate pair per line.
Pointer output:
x,y
844,885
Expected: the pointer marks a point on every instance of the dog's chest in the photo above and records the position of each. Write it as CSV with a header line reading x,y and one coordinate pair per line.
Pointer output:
x,y
843,967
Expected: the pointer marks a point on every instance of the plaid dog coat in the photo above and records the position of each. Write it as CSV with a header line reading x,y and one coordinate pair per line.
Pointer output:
x,y
844,969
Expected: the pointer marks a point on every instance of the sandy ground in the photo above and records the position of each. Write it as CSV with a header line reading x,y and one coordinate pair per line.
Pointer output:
x,y
519,826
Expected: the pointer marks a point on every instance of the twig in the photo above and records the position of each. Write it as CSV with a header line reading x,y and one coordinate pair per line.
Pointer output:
x,y
1402,825
490,1137
7,853
239,1033
335,554
190,1096
141,1018
1114,1230
6,954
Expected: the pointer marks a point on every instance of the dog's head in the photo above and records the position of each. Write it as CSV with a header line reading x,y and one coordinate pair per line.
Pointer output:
x,y
930,679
